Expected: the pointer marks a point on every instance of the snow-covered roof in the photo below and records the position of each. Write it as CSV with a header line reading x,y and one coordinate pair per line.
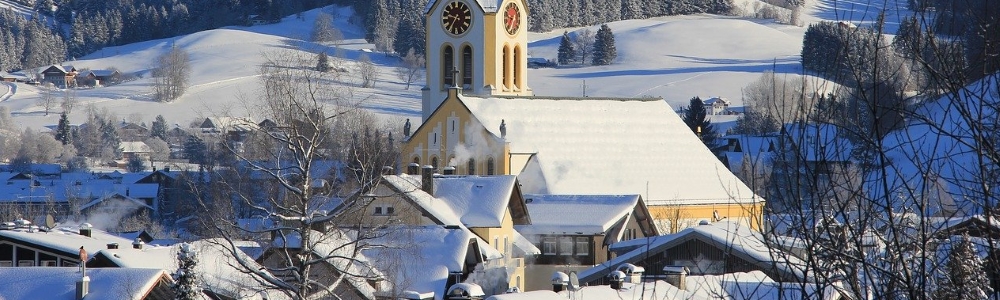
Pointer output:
x,y
103,73
419,259
475,201
576,214
127,203
135,147
488,6
65,239
818,142
216,266
59,283
735,238
659,290
609,146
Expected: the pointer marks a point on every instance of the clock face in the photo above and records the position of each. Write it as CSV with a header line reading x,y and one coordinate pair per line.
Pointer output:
x,y
456,17
512,18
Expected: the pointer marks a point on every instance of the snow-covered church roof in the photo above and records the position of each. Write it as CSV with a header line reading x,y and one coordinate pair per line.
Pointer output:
x,y
609,146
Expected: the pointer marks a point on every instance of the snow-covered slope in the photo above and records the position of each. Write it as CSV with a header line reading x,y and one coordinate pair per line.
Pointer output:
x,y
675,57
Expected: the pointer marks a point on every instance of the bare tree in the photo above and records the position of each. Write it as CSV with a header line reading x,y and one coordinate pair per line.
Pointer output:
x,y
48,97
584,43
323,30
173,70
285,177
68,101
367,70
410,67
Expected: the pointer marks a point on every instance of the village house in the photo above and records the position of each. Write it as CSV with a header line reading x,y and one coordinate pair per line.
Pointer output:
x,y
574,232
716,106
60,76
100,284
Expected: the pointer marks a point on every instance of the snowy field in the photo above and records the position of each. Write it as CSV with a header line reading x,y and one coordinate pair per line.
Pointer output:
x,y
675,58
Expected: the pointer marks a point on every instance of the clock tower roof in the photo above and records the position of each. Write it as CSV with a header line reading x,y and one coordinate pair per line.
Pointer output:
x,y
488,6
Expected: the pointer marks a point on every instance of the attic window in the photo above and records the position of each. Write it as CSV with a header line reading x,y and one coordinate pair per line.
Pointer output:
x,y
384,210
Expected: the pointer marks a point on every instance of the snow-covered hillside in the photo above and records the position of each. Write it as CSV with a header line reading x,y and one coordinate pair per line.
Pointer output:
x,y
675,57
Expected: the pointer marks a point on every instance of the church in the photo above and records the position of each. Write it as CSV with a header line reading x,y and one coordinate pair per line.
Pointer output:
x,y
481,117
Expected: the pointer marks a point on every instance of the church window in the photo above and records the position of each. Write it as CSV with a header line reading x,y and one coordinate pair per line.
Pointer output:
x,y
517,65
472,167
467,66
447,66
490,166
506,69
416,160
434,162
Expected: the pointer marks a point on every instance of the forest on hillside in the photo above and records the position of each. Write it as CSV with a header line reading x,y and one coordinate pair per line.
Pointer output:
x,y
89,25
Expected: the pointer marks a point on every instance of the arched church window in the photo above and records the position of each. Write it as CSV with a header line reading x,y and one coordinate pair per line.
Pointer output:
x,y
448,64
506,68
434,163
472,167
467,66
517,66
416,160
491,167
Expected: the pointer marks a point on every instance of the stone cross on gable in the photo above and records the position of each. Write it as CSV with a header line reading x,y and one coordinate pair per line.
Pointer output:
x,y
454,76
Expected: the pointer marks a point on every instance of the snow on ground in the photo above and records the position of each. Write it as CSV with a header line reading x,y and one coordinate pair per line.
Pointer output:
x,y
676,57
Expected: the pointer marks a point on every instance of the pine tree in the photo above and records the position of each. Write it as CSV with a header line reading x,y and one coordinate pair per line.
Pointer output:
x,y
322,62
63,133
963,276
159,128
186,281
566,50
604,46
696,118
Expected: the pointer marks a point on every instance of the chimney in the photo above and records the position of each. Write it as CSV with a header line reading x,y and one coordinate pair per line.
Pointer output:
x,y
387,170
633,273
82,287
137,244
676,276
427,180
166,169
559,281
413,169
617,278
86,229
113,246
449,170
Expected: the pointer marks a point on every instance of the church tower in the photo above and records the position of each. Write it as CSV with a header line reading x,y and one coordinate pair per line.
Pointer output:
x,y
478,45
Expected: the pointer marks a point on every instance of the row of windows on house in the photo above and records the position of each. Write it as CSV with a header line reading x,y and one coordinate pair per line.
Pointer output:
x,y
470,165
511,68
566,245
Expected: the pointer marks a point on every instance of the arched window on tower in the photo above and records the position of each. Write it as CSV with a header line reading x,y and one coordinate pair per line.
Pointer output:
x,y
506,68
447,65
471,167
467,66
491,167
517,67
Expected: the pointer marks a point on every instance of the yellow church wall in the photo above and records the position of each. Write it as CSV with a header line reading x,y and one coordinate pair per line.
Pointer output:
x,y
459,136
678,217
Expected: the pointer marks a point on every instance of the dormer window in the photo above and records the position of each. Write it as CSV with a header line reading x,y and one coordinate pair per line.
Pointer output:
x,y
384,210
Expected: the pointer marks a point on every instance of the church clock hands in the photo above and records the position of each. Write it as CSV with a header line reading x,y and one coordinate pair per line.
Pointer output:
x,y
512,18
456,17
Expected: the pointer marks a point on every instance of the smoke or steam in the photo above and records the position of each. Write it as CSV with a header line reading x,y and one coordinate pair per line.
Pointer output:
x,y
475,145
108,214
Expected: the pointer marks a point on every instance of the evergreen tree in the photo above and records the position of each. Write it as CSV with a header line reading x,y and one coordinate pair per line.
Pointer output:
x,y
566,50
110,138
135,164
604,46
963,276
186,281
909,39
696,118
63,133
322,62
409,35
159,128
195,150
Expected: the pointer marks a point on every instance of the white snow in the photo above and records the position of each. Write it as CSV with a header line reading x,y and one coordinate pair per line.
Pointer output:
x,y
579,214
607,146
474,201
59,283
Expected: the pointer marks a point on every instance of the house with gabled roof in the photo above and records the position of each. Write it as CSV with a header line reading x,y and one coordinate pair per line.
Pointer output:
x,y
574,232
61,76
217,266
22,245
489,206
707,249
102,284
